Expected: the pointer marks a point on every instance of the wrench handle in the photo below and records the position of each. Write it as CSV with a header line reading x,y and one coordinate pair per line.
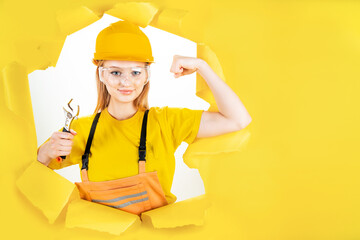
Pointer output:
x,y
62,157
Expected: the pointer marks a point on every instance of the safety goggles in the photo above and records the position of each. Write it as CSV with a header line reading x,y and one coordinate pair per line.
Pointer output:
x,y
134,75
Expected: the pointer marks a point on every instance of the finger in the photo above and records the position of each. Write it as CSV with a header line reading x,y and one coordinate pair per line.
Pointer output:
x,y
62,153
73,132
188,71
65,148
64,142
65,135
176,66
173,67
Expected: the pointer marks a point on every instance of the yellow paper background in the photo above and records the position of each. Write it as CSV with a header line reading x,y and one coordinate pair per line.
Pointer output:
x,y
293,173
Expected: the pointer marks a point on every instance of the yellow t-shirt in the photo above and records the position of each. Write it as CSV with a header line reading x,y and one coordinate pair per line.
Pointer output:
x,y
114,149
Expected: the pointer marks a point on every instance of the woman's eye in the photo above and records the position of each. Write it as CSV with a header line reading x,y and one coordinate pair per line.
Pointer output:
x,y
136,73
115,73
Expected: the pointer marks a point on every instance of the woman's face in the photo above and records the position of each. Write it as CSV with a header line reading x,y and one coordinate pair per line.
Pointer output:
x,y
124,80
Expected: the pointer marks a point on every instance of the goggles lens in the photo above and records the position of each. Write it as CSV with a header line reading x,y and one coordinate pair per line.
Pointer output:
x,y
113,75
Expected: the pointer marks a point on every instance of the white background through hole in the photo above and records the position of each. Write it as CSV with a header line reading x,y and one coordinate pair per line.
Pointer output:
x,y
74,77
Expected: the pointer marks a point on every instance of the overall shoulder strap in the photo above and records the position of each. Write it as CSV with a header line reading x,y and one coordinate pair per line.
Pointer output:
x,y
142,147
85,157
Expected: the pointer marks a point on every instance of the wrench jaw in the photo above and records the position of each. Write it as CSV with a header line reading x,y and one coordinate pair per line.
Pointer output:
x,y
70,115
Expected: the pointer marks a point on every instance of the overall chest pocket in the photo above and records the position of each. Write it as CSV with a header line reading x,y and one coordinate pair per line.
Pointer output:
x,y
133,198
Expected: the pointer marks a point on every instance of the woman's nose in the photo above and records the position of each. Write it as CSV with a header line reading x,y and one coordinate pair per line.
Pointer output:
x,y
125,81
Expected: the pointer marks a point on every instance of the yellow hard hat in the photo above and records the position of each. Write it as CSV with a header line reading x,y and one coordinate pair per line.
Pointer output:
x,y
123,40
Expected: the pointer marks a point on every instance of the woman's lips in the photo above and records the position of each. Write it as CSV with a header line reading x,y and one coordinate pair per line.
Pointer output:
x,y
125,91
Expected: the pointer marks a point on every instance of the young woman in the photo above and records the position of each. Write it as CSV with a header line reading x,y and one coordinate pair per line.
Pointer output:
x,y
123,57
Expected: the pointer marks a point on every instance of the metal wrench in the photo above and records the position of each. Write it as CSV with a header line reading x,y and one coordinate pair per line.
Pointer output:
x,y
70,115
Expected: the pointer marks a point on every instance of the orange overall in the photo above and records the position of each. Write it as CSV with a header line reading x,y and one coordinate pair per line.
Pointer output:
x,y
135,194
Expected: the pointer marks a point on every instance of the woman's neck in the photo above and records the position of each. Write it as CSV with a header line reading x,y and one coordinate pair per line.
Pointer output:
x,y
121,112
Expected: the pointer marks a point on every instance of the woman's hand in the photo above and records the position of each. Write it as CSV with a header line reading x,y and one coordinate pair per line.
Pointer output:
x,y
184,65
59,144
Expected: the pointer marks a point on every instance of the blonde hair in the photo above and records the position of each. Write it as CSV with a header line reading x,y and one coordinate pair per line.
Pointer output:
x,y
141,102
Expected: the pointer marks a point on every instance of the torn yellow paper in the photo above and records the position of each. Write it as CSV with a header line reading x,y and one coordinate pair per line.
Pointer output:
x,y
99,7
51,50
85,214
230,142
83,15
140,13
187,22
202,89
188,212
45,189
15,80
170,20
296,63
38,54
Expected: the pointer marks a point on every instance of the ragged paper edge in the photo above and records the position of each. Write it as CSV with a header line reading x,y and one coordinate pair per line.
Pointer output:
x,y
83,15
89,215
139,13
202,89
14,77
170,20
188,212
36,181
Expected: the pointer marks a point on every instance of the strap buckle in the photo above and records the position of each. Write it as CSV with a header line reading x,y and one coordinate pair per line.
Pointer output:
x,y
85,161
142,154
